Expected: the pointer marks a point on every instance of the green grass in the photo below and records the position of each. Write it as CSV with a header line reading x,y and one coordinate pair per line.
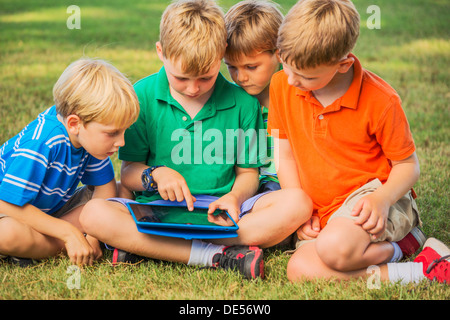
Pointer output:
x,y
410,51
158,280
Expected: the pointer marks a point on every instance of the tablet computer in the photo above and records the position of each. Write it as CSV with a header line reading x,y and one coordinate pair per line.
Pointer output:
x,y
175,220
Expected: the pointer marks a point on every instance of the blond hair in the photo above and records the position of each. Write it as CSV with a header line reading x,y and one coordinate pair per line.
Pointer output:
x,y
317,32
194,31
252,27
95,90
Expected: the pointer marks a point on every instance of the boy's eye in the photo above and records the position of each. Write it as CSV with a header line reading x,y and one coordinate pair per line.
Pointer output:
x,y
181,79
206,79
251,67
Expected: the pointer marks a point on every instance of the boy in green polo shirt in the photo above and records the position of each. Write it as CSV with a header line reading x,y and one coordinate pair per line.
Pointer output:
x,y
184,146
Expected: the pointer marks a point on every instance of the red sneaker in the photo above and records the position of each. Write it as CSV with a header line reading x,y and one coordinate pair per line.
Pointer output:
x,y
412,242
435,259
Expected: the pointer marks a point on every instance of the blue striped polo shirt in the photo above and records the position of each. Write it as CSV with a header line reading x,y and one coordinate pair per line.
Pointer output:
x,y
40,165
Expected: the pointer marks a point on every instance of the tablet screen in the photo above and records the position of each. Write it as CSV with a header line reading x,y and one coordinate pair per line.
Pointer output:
x,y
172,214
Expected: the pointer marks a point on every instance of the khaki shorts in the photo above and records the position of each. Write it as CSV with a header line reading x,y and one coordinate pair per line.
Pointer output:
x,y
403,215
81,196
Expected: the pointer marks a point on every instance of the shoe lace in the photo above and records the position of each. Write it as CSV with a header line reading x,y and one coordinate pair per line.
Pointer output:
x,y
436,262
227,262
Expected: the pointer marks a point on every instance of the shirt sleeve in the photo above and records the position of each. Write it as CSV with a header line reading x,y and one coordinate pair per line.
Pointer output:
x,y
274,124
98,172
393,132
25,173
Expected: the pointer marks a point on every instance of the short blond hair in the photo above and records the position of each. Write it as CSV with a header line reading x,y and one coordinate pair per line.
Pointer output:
x,y
252,27
318,32
193,31
95,90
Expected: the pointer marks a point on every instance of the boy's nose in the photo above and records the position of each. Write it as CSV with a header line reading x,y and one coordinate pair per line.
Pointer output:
x,y
242,76
121,140
293,81
193,88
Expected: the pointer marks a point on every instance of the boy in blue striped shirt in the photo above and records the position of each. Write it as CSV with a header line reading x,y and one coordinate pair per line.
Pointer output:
x,y
68,144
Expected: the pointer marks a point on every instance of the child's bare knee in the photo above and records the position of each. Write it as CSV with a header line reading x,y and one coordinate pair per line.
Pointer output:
x,y
10,232
92,213
335,251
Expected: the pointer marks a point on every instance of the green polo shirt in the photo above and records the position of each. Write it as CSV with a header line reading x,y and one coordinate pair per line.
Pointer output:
x,y
227,131
268,171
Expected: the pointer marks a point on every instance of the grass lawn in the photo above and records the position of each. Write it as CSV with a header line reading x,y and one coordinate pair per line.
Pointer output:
x,y
411,51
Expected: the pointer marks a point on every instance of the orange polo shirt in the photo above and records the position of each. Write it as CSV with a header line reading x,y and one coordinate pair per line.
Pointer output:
x,y
345,145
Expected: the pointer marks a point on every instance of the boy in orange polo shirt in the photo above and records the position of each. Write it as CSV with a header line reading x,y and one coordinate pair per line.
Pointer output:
x,y
342,136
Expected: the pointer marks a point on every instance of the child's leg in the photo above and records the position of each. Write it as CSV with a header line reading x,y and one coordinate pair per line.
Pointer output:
x,y
274,217
20,240
111,223
345,246
432,263
305,264
342,250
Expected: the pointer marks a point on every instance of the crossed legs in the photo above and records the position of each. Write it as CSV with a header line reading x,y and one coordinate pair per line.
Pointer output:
x,y
272,219
342,250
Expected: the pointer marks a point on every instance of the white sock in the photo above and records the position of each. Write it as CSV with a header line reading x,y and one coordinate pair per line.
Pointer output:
x,y
203,252
398,254
405,272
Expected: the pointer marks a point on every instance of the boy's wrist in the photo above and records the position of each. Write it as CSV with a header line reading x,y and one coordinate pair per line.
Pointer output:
x,y
148,182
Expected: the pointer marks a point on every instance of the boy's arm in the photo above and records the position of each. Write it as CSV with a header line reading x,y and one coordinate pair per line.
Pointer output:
x,y
105,191
245,186
171,184
246,183
285,164
287,173
373,209
78,249
130,175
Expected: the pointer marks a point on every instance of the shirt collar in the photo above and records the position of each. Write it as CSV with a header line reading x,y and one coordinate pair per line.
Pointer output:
x,y
351,97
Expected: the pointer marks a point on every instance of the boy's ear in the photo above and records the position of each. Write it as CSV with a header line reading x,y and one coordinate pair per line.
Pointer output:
x,y
277,54
73,123
159,50
345,64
